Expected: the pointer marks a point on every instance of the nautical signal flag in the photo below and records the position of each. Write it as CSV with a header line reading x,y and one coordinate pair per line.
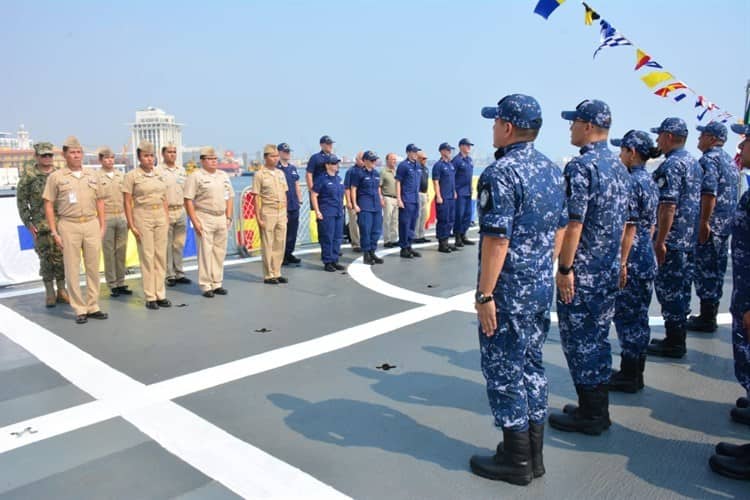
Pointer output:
x,y
610,37
546,7
656,77
665,91
642,59
590,15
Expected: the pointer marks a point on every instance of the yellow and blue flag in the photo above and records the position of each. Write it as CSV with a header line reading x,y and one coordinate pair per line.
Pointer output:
x,y
545,7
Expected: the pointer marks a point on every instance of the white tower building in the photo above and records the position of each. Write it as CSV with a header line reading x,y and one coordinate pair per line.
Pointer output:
x,y
157,127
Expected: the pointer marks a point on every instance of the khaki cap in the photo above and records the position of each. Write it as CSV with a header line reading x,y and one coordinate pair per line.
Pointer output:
x,y
208,151
42,148
270,149
72,142
146,147
168,145
105,151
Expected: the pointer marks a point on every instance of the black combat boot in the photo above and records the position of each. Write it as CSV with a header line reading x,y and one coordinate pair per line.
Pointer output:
x,y
375,259
467,241
742,402
536,439
641,369
740,415
512,462
673,344
443,246
592,417
459,242
733,450
706,322
732,467
367,258
626,380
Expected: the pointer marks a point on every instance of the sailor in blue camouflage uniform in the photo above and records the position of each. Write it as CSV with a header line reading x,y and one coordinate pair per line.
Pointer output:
x,y
464,166
718,201
521,211
679,181
637,275
598,194
293,200
733,460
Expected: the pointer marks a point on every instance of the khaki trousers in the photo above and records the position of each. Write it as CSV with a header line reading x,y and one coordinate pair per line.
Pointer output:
x,y
176,242
114,249
390,220
212,248
424,212
152,250
80,237
273,239
353,227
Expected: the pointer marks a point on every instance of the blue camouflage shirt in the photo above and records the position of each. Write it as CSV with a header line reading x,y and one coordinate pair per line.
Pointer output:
x,y
721,179
316,165
679,180
330,195
599,195
645,199
409,174
464,166
367,183
292,176
445,173
521,198
741,256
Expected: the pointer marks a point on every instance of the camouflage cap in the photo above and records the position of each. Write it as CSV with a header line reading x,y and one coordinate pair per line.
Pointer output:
x,y
521,110
43,148
716,129
72,142
146,147
591,111
675,126
369,156
284,148
742,129
636,139
208,152
270,149
105,151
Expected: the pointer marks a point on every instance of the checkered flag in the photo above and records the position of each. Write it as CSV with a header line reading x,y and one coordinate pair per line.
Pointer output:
x,y
610,37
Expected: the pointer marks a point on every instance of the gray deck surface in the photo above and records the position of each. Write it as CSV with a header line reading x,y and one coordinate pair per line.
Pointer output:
x,y
368,433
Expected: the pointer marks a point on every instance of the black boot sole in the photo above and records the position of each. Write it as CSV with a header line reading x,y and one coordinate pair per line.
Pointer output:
x,y
520,481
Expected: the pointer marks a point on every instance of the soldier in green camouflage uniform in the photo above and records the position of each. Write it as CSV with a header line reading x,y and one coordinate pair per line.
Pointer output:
x,y
31,209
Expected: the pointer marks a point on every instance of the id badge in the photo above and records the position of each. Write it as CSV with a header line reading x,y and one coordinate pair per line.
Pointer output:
x,y
72,197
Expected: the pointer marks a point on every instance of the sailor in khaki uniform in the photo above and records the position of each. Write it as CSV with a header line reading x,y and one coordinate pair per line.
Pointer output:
x,y
145,199
270,187
209,201
175,177
73,206
115,242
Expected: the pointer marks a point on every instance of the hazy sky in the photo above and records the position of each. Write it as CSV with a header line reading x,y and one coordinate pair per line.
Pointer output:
x,y
372,74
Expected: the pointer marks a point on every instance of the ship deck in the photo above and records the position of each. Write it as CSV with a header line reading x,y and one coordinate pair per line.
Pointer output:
x,y
281,392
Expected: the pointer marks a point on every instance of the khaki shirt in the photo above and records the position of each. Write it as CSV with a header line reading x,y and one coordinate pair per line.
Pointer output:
x,y
148,190
175,178
271,186
73,197
388,182
111,191
209,192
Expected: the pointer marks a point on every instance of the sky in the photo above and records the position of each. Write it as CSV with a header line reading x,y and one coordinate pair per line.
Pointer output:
x,y
371,74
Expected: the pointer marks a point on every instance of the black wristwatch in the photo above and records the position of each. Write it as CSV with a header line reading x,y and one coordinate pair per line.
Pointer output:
x,y
564,270
481,298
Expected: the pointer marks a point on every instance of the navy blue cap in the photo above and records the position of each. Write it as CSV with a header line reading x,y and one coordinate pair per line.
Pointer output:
x,y
326,139
465,142
411,148
521,110
636,139
742,129
675,126
445,145
591,111
369,156
331,159
716,129
284,148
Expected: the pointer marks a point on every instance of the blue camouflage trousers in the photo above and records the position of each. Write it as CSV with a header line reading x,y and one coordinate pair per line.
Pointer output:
x,y
631,316
512,365
710,265
584,328
672,285
741,349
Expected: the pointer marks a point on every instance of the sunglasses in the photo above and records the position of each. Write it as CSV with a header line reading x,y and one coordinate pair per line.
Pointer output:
x,y
47,155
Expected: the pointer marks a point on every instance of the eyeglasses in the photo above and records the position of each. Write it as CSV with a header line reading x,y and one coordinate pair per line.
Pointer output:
x,y
47,155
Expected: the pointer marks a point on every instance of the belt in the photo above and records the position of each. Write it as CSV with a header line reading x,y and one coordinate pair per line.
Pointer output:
x,y
79,219
114,212
211,212
389,195
156,206
175,207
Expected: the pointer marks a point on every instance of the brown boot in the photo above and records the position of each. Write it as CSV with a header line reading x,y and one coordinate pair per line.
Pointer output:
x,y
62,295
50,299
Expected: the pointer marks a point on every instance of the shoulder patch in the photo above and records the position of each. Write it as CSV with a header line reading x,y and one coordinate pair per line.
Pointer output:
x,y
485,198
661,182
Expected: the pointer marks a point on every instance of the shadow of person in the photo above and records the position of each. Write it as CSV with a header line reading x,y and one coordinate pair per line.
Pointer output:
x,y
351,423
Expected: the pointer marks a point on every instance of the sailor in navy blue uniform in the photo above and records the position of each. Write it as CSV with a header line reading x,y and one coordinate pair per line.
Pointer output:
x,y
293,198
408,175
464,166
368,204
328,204
444,178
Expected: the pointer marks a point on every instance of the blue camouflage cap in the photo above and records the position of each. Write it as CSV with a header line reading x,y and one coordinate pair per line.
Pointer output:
x,y
591,111
521,110
673,125
465,142
445,145
284,148
742,129
636,139
369,156
331,159
716,129
411,148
